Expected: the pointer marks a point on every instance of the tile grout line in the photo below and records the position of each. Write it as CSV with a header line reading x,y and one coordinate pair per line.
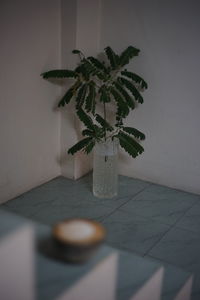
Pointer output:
x,y
171,226
174,225
124,203
132,197
186,229
158,240
170,264
165,223
130,251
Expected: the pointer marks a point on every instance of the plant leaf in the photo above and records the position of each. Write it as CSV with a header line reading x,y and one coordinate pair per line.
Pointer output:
x,y
99,65
66,98
128,84
87,132
90,100
135,132
132,142
127,147
75,51
112,57
105,97
126,96
80,99
59,74
81,69
98,132
87,121
127,55
136,78
94,71
89,67
89,147
129,144
122,106
80,145
103,122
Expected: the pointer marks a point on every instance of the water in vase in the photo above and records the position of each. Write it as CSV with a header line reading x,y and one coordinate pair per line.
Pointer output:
x,y
105,171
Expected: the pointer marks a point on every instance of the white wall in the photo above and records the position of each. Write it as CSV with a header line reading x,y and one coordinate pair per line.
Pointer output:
x,y
68,135
167,32
29,125
80,30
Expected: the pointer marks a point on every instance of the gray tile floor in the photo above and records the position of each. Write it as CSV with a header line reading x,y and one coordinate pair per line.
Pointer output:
x,y
150,220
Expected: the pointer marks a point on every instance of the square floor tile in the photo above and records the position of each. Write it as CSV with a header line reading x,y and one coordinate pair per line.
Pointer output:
x,y
179,247
131,186
30,202
191,220
56,211
131,232
161,204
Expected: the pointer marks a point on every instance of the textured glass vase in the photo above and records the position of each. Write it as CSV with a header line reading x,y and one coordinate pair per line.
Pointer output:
x,y
105,170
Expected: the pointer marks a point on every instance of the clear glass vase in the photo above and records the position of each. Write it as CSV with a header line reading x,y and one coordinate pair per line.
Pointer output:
x,y
105,169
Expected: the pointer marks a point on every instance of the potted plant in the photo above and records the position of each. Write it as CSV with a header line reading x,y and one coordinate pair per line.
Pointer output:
x,y
99,85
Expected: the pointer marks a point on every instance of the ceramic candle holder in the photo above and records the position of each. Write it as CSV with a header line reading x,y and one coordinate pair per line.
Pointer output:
x,y
78,239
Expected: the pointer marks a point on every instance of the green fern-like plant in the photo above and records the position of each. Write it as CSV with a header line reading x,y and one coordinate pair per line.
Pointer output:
x,y
99,82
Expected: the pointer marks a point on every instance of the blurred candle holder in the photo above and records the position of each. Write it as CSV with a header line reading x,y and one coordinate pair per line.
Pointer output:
x,y
78,238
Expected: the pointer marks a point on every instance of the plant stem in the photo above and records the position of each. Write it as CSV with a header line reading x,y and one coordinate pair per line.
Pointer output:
x,y
104,113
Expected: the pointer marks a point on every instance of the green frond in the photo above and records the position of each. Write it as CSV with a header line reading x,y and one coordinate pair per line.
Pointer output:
x,y
98,132
87,121
99,69
97,63
75,51
90,100
59,74
136,78
105,97
89,67
80,99
127,147
89,147
80,145
127,55
133,142
122,106
66,98
76,86
87,132
103,122
126,95
81,70
135,132
112,57
129,144
128,84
